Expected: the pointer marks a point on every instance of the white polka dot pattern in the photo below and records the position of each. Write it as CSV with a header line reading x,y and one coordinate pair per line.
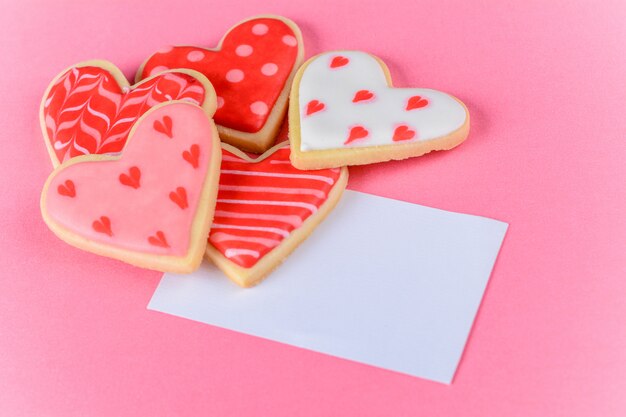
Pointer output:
x,y
259,108
290,40
248,71
235,75
260,29
195,56
244,50
269,69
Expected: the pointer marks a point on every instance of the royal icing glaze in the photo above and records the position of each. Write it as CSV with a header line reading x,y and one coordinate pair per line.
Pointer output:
x,y
87,112
145,200
248,71
345,101
260,203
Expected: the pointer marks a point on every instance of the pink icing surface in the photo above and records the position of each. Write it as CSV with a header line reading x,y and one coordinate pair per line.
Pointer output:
x,y
139,212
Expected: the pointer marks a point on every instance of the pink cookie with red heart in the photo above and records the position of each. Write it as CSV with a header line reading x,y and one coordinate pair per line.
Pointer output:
x,y
90,107
152,205
344,111
265,208
251,70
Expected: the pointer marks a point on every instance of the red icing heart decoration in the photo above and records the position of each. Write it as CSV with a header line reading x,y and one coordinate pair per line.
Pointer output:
x,y
102,225
339,61
403,133
192,155
260,203
357,132
86,111
416,102
164,126
132,178
67,189
179,197
249,70
314,106
158,240
362,95
147,206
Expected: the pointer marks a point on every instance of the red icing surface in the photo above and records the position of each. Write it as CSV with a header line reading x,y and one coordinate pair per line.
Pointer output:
x,y
87,112
259,204
248,72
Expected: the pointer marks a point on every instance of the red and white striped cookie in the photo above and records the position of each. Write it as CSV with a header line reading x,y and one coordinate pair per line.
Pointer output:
x,y
251,70
265,208
90,107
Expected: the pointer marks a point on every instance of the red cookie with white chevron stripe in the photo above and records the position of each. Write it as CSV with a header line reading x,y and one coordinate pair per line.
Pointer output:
x,y
251,70
265,208
90,107
151,205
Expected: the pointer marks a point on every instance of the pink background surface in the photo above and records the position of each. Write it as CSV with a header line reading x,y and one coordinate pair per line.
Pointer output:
x,y
545,83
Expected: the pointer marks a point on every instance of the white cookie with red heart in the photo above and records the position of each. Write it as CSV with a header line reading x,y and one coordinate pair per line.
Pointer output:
x,y
344,111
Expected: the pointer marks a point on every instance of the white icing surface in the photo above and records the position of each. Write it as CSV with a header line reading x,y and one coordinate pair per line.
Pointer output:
x,y
336,87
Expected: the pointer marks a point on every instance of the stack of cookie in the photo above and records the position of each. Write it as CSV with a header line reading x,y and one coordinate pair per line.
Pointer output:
x,y
161,173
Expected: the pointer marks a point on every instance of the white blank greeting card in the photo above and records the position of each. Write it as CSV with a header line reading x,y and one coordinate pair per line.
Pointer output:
x,y
380,281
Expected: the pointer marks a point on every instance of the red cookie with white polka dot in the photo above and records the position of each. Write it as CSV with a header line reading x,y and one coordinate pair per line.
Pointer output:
x,y
251,69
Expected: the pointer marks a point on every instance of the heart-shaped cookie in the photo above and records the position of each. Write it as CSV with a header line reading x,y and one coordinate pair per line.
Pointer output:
x,y
344,111
90,107
152,205
251,70
265,208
